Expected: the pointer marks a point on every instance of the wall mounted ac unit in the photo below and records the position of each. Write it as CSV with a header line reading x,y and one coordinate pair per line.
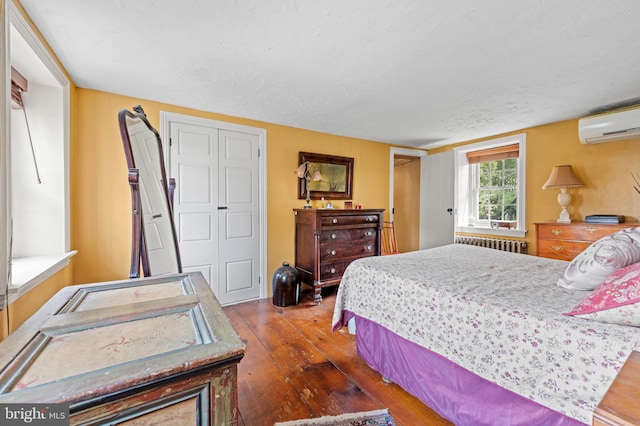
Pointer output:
x,y
610,126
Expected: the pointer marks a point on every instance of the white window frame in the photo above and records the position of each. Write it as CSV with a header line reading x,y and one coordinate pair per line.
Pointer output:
x,y
27,272
463,181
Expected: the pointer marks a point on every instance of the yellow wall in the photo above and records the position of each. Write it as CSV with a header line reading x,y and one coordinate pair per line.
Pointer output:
x,y
101,195
605,170
28,304
20,310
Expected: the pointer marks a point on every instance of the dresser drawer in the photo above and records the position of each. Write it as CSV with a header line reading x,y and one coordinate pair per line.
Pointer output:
x,y
329,252
361,219
339,235
333,270
564,250
587,232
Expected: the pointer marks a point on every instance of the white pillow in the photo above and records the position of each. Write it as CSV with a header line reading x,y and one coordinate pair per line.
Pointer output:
x,y
590,268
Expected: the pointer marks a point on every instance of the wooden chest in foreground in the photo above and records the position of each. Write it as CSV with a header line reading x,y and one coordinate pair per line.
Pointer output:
x,y
143,351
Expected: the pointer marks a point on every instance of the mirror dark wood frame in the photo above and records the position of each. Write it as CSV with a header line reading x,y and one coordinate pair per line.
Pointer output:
x,y
139,252
329,160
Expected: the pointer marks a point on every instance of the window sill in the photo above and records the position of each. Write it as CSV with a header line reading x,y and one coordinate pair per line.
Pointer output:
x,y
28,272
501,232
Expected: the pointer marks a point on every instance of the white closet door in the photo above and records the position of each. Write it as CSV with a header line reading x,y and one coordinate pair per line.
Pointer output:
x,y
216,207
238,224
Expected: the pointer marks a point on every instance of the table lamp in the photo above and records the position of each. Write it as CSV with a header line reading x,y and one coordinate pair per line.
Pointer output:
x,y
563,177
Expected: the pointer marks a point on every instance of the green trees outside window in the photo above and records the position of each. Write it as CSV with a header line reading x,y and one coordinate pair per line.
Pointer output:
x,y
497,190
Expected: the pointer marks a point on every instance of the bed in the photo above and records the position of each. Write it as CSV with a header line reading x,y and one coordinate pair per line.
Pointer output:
x,y
479,335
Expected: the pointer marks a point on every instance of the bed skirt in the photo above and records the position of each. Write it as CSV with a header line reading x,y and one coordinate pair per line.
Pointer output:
x,y
455,393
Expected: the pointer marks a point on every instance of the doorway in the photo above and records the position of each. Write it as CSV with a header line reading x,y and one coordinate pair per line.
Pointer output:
x,y
407,196
406,205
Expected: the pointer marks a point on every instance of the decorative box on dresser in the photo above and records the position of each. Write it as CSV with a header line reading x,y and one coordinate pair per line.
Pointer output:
x,y
328,240
566,240
141,351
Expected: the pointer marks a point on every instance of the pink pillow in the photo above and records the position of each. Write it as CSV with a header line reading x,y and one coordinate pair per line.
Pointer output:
x,y
616,300
590,268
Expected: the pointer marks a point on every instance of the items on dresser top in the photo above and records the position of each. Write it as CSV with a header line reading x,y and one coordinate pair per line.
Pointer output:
x,y
604,218
147,351
566,240
328,240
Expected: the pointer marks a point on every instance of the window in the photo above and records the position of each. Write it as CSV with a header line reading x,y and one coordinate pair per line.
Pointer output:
x,y
490,187
37,167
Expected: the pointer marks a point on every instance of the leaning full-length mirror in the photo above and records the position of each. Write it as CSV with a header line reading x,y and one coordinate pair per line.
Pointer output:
x,y
154,242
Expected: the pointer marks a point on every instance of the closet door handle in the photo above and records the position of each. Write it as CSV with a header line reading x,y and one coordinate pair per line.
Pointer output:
x,y
222,207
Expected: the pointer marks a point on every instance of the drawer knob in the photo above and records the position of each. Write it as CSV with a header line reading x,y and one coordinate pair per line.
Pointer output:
x,y
369,219
591,229
368,247
556,232
556,248
333,252
332,270
334,220
368,233
334,236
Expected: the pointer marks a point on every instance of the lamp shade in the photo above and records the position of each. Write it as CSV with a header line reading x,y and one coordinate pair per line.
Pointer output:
x,y
562,177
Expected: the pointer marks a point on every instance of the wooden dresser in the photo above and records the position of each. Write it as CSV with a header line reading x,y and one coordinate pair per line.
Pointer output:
x,y
143,351
328,240
566,240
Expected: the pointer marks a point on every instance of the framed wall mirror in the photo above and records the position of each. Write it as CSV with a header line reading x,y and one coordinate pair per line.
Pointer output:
x,y
337,177
154,244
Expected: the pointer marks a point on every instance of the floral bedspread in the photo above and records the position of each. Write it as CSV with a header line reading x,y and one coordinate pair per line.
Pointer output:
x,y
496,314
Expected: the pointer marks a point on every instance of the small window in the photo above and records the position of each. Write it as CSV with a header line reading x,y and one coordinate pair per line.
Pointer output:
x,y
490,187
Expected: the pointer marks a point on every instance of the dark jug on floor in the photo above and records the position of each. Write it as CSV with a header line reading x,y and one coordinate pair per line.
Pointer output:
x,y
286,287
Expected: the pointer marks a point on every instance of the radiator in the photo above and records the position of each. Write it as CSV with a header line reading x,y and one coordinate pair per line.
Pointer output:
x,y
512,246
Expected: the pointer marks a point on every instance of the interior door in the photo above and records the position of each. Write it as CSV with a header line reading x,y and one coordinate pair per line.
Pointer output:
x,y
439,213
238,223
216,207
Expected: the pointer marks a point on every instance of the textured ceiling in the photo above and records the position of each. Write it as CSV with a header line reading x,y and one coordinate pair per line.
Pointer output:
x,y
414,73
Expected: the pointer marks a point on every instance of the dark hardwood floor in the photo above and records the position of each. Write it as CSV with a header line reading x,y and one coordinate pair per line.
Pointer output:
x,y
295,367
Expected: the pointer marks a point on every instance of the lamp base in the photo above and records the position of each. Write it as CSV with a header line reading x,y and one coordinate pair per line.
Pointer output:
x,y
564,199
307,181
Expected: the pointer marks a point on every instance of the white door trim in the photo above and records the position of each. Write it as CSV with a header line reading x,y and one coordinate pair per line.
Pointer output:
x,y
166,118
423,194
